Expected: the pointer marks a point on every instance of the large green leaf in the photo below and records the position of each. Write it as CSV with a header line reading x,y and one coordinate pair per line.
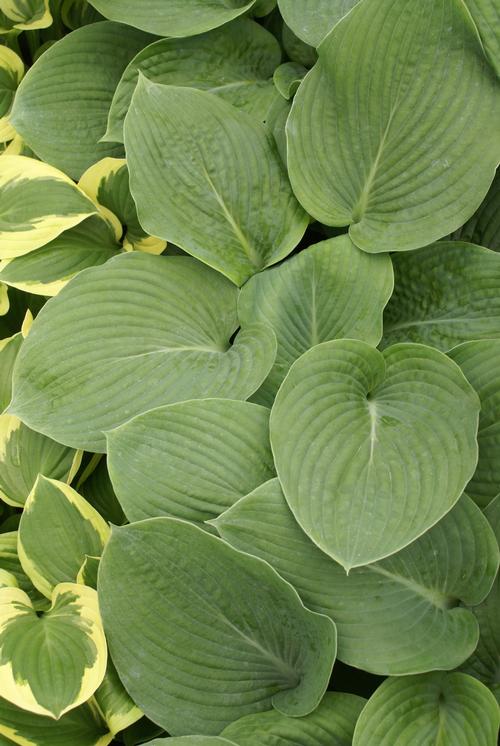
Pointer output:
x,y
236,62
398,616
311,20
226,635
484,226
190,460
444,294
173,17
136,333
62,104
331,724
330,290
225,196
372,448
404,150
480,362
486,14
435,709
51,663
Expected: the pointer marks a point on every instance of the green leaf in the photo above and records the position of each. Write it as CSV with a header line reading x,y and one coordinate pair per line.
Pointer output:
x,y
372,448
82,726
287,78
173,17
9,562
331,724
118,710
9,349
401,615
68,91
190,460
76,13
24,15
192,741
444,294
95,350
486,14
296,49
226,638
311,20
236,62
52,663
402,151
330,290
484,226
98,491
58,529
480,362
11,73
38,203
87,574
225,197
451,709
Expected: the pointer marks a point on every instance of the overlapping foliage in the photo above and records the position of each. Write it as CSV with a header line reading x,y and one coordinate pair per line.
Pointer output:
x,y
249,372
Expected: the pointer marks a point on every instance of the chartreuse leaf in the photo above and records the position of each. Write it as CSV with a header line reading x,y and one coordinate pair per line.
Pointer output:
x,y
107,183
486,14
311,20
82,726
173,17
190,460
24,15
372,448
449,709
444,294
331,724
47,270
4,300
118,710
58,529
226,638
68,91
402,151
236,61
11,73
398,616
484,226
330,290
139,332
225,196
51,663
480,362
37,203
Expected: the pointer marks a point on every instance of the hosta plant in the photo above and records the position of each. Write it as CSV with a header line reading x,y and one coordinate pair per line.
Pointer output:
x,y
249,372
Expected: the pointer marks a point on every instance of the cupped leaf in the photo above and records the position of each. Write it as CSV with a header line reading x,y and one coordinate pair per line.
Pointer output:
x,y
330,290
51,663
401,615
37,203
136,333
225,197
405,150
451,709
236,62
24,15
287,78
68,91
372,448
82,726
444,294
226,637
11,73
331,724
311,20
486,14
483,227
118,710
480,362
173,17
58,529
190,460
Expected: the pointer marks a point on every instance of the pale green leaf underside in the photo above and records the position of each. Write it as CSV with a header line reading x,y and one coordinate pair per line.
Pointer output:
x,y
228,625
208,178
136,333
444,294
401,615
311,20
438,708
372,448
236,62
331,290
405,150
190,460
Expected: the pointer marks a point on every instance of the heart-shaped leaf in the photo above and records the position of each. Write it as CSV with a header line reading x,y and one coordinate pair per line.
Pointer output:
x,y
190,460
225,196
136,333
372,448
401,615
232,623
405,150
311,20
